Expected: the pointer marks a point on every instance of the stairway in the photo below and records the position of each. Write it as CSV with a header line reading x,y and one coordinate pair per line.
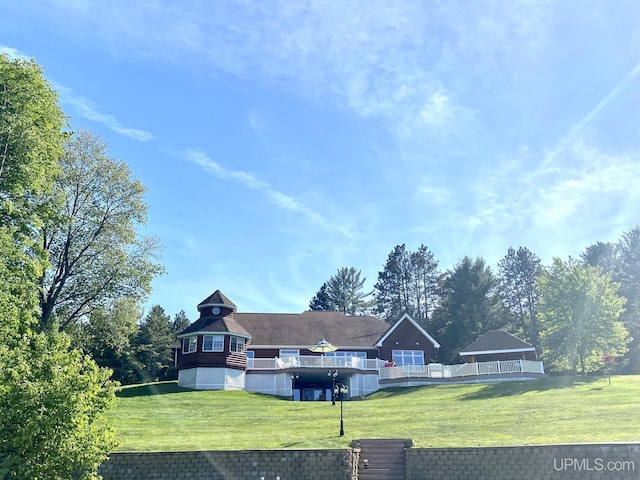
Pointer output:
x,y
382,459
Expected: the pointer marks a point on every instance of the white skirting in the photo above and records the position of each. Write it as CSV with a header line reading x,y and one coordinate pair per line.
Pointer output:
x,y
207,378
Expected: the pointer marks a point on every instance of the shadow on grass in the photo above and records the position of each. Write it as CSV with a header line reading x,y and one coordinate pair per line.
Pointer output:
x,y
506,389
149,389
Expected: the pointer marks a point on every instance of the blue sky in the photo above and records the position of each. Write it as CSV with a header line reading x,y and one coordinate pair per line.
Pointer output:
x,y
280,140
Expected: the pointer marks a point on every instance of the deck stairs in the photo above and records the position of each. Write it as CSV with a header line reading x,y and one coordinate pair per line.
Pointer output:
x,y
382,459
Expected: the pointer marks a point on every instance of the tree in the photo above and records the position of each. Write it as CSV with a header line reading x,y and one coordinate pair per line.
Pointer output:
x,y
628,276
31,139
52,398
409,283
180,322
469,308
52,410
321,300
519,271
109,337
153,344
343,292
95,252
579,311
601,254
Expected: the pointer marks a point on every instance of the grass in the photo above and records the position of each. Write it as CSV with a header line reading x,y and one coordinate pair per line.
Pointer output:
x,y
165,417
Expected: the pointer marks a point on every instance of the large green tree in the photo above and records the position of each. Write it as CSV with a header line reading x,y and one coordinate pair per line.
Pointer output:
x,y
580,316
519,271
470,307
409,283
343,292
31,138
95,250
52,398
52,411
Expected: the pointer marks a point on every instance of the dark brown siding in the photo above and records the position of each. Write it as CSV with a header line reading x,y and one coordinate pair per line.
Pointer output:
x,y
275,352
407,337
224,359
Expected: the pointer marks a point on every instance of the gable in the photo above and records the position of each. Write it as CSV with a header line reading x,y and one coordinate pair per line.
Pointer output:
x,y
407,323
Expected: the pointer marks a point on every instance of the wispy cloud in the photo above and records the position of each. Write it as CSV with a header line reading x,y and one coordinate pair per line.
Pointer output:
x,y
252,182
12,52
393,61
90,111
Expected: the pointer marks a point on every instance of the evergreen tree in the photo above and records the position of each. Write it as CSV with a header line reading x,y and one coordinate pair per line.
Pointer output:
x,y
153,344
519,272
470,307
409,283
343,292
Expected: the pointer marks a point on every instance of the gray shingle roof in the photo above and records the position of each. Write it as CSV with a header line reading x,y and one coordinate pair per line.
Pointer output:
x,y
496,340
217,298
305,329
215,324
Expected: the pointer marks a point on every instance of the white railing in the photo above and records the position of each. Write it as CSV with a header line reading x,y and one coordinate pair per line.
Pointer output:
x,y
308,361
437,370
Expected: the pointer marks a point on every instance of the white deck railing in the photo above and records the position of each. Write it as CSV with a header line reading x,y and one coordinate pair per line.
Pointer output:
x,y
431,370
308,361
437,370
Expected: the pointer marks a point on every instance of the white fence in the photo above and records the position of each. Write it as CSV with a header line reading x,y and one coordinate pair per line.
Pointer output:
x,y
437,370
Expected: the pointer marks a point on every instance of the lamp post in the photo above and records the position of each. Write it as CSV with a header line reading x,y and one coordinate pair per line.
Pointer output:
x,y
333,374
341,389
294,377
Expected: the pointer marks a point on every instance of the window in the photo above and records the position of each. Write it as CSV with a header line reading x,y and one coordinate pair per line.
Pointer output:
x,y
236,345
345,359
189,344
345,354
289,353
250,355
213,343
408,357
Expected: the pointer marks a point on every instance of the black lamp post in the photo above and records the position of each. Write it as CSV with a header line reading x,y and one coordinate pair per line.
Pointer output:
x,y
294,377
340,389
333,374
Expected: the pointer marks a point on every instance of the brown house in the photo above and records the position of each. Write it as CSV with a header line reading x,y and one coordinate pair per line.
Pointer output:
x,y
273,352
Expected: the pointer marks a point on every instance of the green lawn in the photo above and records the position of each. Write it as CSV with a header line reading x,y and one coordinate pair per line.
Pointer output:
x,y
164,417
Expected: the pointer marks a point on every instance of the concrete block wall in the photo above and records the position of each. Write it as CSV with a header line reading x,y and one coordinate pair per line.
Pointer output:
x,y
548,462
231,465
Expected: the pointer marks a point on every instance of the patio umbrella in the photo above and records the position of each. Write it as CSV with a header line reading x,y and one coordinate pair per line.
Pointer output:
x,y
323,347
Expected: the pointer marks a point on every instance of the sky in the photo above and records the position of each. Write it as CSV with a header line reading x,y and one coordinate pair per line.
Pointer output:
x,y
280,141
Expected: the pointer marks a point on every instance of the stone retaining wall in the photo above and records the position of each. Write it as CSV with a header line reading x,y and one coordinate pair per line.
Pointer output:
x,y
548,462
231,465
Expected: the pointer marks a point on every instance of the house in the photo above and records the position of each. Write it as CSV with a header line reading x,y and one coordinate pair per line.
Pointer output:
x,y
273,352
303,356
498,345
